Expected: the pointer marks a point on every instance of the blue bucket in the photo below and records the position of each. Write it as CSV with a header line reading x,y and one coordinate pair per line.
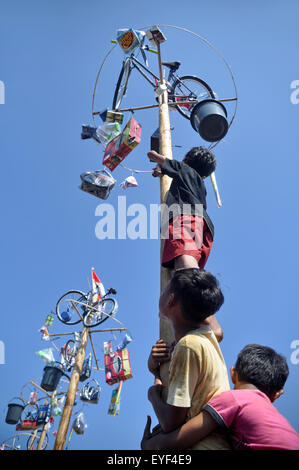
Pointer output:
x,y
208,118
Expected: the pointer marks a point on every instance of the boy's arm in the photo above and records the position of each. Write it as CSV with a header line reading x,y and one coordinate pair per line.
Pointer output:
x,y
169,417
168,166
185,437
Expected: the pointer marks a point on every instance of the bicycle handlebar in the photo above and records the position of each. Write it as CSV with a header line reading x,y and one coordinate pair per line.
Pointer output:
x,y
147,48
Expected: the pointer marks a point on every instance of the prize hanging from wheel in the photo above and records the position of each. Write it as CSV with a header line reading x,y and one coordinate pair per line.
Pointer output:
x,y
190,95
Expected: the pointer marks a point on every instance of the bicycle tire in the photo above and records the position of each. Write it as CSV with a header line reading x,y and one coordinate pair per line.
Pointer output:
x,y
45,443
95,320
177,91
81,298
122,84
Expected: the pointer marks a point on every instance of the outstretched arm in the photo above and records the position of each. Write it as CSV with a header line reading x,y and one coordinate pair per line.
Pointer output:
x,y
185,437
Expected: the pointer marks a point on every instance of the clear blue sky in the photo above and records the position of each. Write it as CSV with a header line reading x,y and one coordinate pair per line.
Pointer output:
x,y
50,55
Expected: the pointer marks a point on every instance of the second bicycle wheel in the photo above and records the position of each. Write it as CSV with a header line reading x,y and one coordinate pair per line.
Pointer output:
x,y
190,88
34,439
105,309
71,307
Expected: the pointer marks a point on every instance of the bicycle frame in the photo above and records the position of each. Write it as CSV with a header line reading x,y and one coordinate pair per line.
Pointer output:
x,y
139,66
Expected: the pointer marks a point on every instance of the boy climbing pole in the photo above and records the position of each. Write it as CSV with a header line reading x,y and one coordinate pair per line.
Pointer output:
x,y
190,231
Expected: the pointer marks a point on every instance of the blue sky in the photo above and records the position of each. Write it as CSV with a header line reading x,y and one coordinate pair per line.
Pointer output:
x,y
49,61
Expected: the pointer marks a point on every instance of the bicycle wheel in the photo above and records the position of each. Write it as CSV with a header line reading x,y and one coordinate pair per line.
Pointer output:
x,y
69,353
122,84
189,88
71,307
106,308
32,441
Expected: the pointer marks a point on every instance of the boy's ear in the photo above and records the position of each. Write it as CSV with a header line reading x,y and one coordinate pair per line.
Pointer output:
x,y
233,374
276,395
171,299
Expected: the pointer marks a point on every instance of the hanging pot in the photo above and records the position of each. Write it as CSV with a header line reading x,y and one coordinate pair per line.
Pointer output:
x,y
208,118
51,377
14,411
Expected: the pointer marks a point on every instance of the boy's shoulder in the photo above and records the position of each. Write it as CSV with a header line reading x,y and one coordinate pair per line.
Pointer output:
x,y
198,340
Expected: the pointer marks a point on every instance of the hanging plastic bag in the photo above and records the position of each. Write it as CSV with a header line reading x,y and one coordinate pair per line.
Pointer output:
x,y
91,393
126,340
102,134
86,369
33,398
98,183
79,424
45,333
129,182
47,355
128,39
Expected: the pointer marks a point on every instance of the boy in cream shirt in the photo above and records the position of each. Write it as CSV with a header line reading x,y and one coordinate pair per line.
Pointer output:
x,y
197,369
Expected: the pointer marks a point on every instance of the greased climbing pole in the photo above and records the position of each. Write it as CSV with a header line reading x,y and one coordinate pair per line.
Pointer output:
x,y
165,181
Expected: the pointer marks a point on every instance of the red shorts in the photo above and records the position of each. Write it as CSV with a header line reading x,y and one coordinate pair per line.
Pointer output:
x,y
188,235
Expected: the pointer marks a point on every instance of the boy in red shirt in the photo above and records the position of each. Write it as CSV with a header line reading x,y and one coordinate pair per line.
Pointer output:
x,y
245,414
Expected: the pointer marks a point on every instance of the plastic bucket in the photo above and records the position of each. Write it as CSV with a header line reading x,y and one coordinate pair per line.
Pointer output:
x,y
14,412
51,377
208,118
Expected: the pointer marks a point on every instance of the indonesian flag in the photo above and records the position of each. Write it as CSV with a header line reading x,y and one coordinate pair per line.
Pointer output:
x,y
97,286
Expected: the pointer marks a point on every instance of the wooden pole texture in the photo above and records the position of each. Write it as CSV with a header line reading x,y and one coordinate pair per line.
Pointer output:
x,y
71,394
165,149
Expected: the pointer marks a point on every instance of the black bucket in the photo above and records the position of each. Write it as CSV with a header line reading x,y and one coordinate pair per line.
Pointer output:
x,y
14,412
51,377
208,118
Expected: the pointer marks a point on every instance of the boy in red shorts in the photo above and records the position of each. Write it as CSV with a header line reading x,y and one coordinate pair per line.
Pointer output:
x,y
190,231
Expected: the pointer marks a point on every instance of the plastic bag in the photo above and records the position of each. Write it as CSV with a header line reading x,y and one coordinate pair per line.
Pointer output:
x,y
91,393
47,355
79,424
98,183
102,134
86,369
33,398
129,182
126,340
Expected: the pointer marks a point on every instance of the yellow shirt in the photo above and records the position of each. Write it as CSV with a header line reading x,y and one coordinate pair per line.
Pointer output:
x,y
197,374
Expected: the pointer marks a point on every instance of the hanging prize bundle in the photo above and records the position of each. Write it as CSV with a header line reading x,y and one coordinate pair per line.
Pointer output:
x,y
122,145
98,183
91,393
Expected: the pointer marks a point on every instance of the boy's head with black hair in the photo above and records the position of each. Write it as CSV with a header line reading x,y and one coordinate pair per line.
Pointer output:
x,y
262,367
201,160
194,292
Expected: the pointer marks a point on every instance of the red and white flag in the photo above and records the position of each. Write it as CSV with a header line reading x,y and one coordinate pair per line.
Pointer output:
x,y
97,285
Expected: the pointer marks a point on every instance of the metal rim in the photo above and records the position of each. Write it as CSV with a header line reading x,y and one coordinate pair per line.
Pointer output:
x,y
208,43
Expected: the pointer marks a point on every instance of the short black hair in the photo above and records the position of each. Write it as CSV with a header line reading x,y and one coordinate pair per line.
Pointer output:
x,y
198,292
263,367
201,160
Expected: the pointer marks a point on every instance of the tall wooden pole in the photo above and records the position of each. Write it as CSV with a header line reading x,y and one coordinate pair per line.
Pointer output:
x,y
165,149
71,394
